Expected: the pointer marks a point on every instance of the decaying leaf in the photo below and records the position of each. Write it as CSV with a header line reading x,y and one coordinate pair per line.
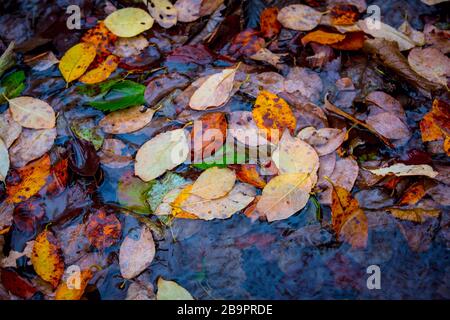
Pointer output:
x,y
299,17
418,215
77,60
101,38
285,195
129,47
102,72
103,230
136,252
128,22
435,125
127,120
416,36
325,140
188,10
163,12
164,152
248,173
47,259
214,183
245,130
270,26
413,194
170,290
32,113
431,64
157,194
401,169
215,91
9,129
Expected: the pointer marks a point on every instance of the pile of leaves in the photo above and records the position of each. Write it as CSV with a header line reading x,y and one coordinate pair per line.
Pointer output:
x,y
105,140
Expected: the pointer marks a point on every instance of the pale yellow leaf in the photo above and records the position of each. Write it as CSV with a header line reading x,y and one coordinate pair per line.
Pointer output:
x,y
127,120
32,113
128,22
214,183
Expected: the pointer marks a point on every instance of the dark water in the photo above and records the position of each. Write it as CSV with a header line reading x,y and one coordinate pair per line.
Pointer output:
x,y
297,258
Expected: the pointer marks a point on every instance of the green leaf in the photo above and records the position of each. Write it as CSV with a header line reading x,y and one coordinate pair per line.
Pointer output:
x,y
12,85
85,129
132,193
160,188
120,95
223,157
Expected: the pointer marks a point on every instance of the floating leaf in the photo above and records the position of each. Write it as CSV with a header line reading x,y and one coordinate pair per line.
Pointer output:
x,y
246,43
344,14
163,12
32,178
128,22
47,259
413,194
299,17
76,61
4,161
401,170
215,91
285,195
163,152
136,252
127,121
353,41
214,183
245,130
222,208
30,145
12,85
435,124
175,199
348,219
115,154
16,284
248,173
273,115
128,47
32,113
102,72
87,130
208,135
170,290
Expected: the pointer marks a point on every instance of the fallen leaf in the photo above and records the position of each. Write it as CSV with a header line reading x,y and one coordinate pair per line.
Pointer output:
x,y
322,37
161,188
418,215
208,135
9,129
163,12
102,72
344,14
268,56
115,154
175,199
244,129
353,41
348,219
132,193
161,153
214,183
32,178
30,145
66,292
400,170
248,173
42,62
285,195
386,32
128,22
136,252
437,38
101,38
416,36
222,208
170,290
246,43
431,64
77,60
270,26
16,284
303,81
413,194
295,156
299,17
215,91
435,124
433,2
128,47
127,120
4,161
388,125
103,230
47,259
32,113
273,115
188,10
324,141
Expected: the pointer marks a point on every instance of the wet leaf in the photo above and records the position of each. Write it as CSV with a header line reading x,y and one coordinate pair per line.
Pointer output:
x,y
416,36
208,135
188,10
9,129
8,58
132,193
136,252
102,72
418,215
128,47
174,199
325,140
214,183
163,152
248,173
87,130
32,178
413,194
270,26
101,38
246,43
222,208
170,290
76,61
103,230
435,124
76,290
127,121
115,154
120,95
322,37
431,64
159,87
388,125
344,14
215,91
160,188
32,113
47,259
30,145
401,170
16,284
12,85
128,22
348,219
244,129
163,12
273,115
285,195
353,41
4,161
299,17
83,158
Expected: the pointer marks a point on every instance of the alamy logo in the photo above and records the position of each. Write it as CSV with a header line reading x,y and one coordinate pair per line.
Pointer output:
x,y
374,280
74,20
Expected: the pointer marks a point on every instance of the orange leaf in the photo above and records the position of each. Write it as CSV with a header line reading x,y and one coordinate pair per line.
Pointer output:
x,y
246,43
65,293
248,173
270,26
59,177
273,113
102,72
177,212
103,230
353,41
435,125
344,15
101,38
348,219
208,135
322,37
47,259
32,178
413,194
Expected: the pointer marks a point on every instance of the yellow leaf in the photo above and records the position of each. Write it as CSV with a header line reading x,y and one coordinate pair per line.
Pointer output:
x,y
102,72
128,22
47,259
76,61
322,37
163,12
32,113
33,178
65,293
177,212
416,215
214,183
127,120
170,290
